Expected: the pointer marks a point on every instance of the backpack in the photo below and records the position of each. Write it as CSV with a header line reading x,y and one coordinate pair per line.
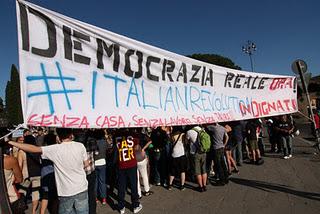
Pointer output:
x,y
203,140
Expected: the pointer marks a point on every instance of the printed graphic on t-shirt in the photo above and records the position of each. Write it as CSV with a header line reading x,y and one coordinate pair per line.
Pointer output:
x,y
125,148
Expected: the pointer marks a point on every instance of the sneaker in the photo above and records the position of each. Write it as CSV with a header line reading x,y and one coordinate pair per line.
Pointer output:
x,y
182,187
286,157
148,193
122,211
290,156
165,185
170,187
158,184
104,201
137,209
97,200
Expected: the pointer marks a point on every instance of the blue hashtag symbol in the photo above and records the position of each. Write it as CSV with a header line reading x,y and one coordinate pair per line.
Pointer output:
x,y
48,91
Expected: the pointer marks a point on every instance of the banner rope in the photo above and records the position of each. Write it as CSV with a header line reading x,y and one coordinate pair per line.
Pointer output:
x,y
305,116
18,127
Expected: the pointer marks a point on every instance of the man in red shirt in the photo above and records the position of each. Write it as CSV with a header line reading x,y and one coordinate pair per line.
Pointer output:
x,y
316,119
125,141
317,125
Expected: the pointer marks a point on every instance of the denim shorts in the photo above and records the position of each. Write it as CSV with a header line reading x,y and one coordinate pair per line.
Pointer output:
x,y
74,204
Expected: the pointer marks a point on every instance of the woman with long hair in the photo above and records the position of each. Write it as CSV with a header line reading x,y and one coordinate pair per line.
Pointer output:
x,y
232,165
178,160
13,175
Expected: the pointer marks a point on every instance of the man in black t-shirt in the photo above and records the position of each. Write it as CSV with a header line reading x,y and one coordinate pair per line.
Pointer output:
x,y
253,126
284,128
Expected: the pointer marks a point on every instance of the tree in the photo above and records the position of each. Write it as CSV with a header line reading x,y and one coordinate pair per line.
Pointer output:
x,y
216,60
13,98
1,105
3,116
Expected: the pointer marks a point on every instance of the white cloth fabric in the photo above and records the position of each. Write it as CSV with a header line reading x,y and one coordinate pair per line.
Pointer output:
x,y
68,159
12,194
100,162
142,170
178,149
191,137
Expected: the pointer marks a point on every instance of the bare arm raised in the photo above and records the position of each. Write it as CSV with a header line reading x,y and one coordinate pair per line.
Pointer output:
x,y
26,147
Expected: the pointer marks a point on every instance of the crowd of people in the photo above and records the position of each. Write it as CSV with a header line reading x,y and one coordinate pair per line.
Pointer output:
x,y
67,170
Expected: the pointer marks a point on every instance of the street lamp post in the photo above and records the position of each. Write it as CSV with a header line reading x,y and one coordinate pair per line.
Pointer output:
x,y
249,48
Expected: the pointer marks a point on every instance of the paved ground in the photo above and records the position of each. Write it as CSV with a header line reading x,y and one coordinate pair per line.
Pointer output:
x,y
278,186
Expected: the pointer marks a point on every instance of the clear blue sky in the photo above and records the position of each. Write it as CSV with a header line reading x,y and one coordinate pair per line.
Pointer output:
x,y
283,30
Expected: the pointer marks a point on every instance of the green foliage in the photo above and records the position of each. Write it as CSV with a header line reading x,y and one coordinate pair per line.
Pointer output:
x,y
1,105
216,60
3,116
13,98
314,87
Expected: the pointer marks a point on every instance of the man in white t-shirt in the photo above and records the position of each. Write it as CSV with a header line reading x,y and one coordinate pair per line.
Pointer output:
x,y
199,159
70,159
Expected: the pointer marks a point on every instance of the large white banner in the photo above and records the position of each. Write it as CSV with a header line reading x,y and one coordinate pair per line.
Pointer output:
x,y
77,75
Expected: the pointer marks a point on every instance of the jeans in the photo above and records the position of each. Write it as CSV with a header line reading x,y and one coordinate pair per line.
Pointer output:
x,y
237,152
142,170
155,167
74,204
286,142
125,175
220,164
101,186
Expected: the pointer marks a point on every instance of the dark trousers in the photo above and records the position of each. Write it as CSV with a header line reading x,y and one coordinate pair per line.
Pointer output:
x,y
209,159
273,142
155,167
126,175
220,164
159,167
261,145
276,142
112,176
92,194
